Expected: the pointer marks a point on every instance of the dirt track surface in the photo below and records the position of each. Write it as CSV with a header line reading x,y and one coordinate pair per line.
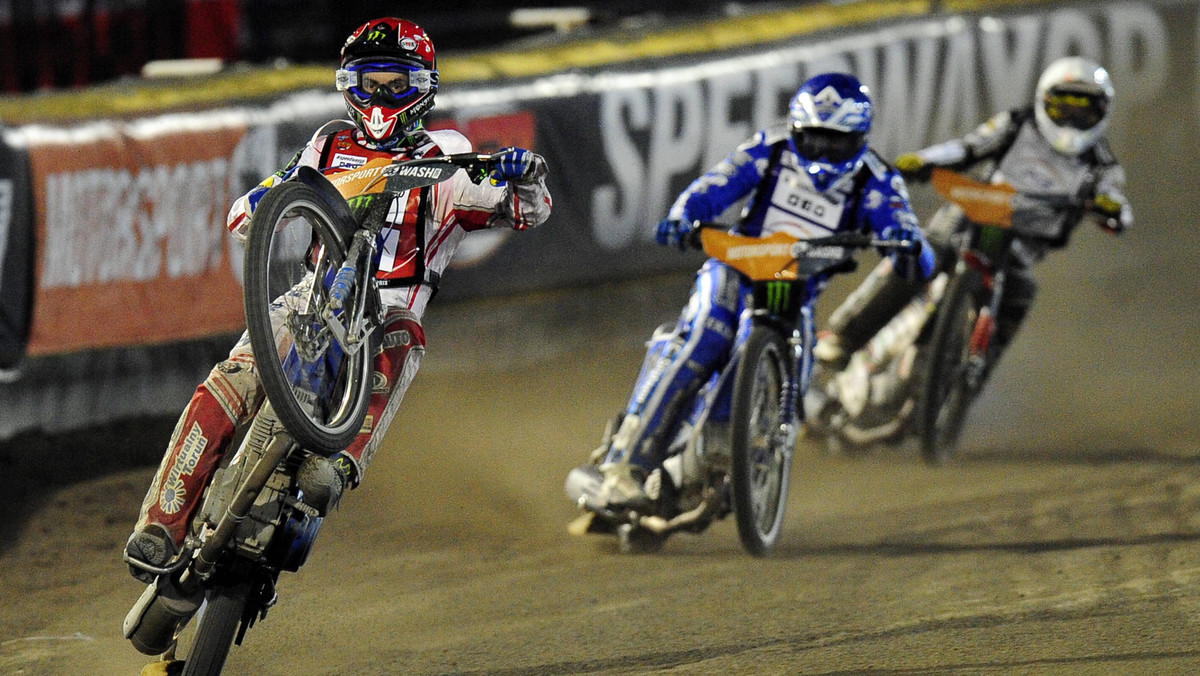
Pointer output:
x,y
1065,540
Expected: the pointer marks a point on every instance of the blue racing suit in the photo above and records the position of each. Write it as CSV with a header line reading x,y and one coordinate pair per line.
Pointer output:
x,y
767,171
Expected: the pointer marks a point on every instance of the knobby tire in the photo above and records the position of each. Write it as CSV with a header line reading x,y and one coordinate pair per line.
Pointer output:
x,y
758,457
945,395
222,613
330,436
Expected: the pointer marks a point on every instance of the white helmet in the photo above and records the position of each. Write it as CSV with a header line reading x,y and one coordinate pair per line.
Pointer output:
x,y
1074,96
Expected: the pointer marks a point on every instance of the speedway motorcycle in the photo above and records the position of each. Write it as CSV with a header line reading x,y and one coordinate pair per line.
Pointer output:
x,y
873,398
311,253
917,377
962,347
743,466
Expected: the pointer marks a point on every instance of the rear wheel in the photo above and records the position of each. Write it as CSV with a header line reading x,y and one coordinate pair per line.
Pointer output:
x,y
219,620
319,390
946,394
762,436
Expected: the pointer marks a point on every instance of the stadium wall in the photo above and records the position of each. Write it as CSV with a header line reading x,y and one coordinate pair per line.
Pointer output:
x,y
120,286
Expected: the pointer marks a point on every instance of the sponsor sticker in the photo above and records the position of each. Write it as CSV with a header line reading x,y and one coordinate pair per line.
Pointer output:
x,y
348,161
174,493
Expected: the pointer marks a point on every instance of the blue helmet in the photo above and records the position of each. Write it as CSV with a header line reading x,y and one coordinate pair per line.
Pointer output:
x,y
830,117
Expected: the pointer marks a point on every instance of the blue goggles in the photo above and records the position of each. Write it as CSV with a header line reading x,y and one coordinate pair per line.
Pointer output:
x,y
395,80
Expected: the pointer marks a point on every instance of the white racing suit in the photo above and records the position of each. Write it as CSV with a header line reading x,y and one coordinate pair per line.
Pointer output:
x,y
231,394
1008,149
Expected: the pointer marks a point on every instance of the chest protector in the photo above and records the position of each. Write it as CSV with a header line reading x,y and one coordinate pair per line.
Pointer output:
x,y
787,202
1030,165
400,247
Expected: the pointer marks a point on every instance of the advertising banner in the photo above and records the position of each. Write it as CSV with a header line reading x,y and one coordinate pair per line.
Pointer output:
x,y
132,248
621,146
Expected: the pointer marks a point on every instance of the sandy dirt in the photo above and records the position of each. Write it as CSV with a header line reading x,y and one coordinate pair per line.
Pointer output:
x,y
1064,540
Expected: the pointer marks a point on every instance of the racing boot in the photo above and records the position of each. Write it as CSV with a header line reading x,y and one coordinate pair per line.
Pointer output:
x,y
830,351
163,668
623,486
153,545
322,481
867,309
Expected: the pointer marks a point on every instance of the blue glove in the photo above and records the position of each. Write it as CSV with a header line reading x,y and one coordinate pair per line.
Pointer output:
x,y
517,164
673,232
899,233
906,263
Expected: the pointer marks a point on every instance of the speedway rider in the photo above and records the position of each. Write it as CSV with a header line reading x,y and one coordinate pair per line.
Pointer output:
x,y
1055,146
808,177
389,78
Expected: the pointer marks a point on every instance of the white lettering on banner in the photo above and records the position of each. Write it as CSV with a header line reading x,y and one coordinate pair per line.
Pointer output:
x,y
1132,27
1007,72
618,211
960,94
774,86
108,225
724,133
1072,32
909,88
676,139
931,80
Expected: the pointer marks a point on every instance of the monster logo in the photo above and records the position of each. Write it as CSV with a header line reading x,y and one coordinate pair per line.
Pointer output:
x,y
779,296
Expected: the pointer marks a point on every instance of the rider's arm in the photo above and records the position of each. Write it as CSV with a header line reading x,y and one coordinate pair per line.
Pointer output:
x,y
886,210
238,220
989,140
521,204
1110,207
729,181
517,204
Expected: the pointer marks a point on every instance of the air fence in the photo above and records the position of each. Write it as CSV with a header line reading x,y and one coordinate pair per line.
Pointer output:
x,y
120,286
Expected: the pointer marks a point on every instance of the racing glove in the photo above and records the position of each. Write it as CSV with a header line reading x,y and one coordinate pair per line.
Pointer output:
x,y
908,264
517,164
1109,211
673,232
913,167
238,220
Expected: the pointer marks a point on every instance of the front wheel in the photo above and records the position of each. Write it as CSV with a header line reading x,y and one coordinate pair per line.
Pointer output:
x,y
319,388
219,620
762,435
946,391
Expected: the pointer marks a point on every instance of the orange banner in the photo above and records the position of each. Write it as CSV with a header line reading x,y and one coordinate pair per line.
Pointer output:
x,y
131,241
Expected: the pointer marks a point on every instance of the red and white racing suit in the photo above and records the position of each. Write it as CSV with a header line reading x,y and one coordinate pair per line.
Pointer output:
x,y
231,394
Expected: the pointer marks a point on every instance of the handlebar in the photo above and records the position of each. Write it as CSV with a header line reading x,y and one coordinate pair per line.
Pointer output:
x,y
856,240
477,165
848,240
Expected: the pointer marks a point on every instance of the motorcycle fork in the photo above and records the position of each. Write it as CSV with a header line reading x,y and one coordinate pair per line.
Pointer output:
x,y
984,331
801,340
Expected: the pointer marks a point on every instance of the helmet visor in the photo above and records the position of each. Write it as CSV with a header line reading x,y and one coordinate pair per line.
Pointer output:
x,y
1074,109
392,82
831,145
